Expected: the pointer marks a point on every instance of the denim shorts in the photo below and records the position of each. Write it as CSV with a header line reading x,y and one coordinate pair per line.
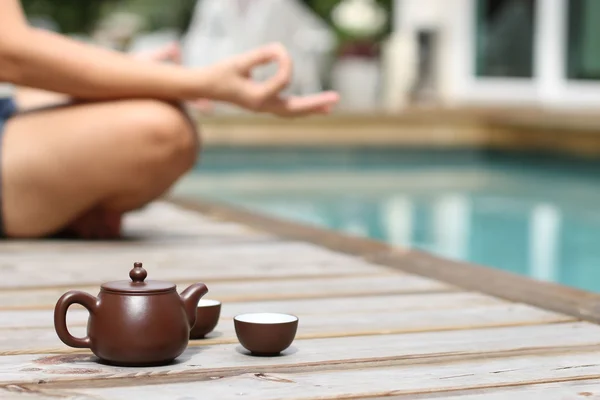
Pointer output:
x,y
8,108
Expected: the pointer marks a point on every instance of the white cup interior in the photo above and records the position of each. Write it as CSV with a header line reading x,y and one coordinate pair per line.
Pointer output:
x,y
266,318
208,303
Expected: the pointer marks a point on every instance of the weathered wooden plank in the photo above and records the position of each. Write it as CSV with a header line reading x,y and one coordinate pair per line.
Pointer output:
x,y
568,390
333,331
18,393
44,340
239,262
206,361
249,290
440,380
339,385
24,319
260,251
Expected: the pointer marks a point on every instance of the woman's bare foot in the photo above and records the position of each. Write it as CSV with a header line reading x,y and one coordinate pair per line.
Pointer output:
x,y
97,224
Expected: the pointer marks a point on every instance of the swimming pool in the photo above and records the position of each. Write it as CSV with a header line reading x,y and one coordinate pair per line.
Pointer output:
x,y
529,214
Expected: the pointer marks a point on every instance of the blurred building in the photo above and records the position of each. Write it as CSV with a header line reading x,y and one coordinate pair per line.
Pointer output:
x,y
495,52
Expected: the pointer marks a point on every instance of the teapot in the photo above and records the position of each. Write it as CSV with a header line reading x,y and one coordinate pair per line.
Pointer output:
x,y
133,323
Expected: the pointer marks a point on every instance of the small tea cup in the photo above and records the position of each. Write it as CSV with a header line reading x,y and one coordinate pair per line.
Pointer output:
x,y
266,334
208,313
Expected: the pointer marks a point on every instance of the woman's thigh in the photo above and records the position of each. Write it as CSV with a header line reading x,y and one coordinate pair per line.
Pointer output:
x,y
58,163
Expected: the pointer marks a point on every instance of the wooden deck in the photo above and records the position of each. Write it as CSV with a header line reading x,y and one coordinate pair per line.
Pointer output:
x,y
375,322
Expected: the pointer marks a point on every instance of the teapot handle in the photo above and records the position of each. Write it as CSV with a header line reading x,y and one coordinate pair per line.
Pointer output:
x,y
60,316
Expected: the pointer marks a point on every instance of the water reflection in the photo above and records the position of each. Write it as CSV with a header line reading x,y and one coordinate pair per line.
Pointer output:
x,y
543,237
397,218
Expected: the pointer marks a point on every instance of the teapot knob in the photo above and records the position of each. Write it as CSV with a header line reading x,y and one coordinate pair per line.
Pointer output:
x,y
138,274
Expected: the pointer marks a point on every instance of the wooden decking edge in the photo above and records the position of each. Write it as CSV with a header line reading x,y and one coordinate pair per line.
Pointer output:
x,y
577,303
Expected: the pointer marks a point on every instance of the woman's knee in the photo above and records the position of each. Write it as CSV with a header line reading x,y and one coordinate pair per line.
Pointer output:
x,y
166,145
167,132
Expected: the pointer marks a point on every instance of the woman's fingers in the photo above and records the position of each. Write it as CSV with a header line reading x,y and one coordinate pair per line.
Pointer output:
x,y
261,92
320,103
265,96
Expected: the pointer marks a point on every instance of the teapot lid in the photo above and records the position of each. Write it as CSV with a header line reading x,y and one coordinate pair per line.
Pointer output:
x,y
138,284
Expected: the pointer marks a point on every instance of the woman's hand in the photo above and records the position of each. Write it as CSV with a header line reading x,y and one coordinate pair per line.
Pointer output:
x,y
232,82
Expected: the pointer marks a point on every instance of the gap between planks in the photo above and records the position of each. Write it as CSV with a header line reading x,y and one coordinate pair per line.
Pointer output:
x,y
41,307
445,392
578,388
241,278
263,290
343,305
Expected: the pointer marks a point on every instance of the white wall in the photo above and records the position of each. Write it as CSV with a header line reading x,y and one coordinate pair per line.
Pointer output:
x,y
400,58
414,14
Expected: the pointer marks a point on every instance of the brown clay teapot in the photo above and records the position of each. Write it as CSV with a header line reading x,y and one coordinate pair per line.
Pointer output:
x,y
133,323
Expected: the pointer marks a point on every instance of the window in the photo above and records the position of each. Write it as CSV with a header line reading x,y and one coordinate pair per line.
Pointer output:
x,y
583,51
504,38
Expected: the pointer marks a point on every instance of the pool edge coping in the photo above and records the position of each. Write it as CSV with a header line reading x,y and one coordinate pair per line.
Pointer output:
x,y
554,297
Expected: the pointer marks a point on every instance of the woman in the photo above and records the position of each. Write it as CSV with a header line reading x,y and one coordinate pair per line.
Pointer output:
x,y
77,168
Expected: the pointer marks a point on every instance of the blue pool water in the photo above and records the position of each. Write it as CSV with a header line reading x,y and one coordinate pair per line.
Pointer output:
x,y
533,215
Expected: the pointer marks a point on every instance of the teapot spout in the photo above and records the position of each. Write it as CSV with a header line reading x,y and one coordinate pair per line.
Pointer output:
x,y
190,298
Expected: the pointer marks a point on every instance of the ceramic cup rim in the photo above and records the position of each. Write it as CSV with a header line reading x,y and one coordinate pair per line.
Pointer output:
x,y
203,303
286,318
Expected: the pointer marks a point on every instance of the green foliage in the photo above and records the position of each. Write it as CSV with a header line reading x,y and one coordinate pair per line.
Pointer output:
x,y
72,16
159,14
324,9
80,16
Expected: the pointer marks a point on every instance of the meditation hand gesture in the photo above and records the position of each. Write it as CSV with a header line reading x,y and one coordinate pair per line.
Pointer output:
x,y
232,82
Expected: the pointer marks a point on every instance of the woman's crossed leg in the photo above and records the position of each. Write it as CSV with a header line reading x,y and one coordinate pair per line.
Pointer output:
x,y
78,168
